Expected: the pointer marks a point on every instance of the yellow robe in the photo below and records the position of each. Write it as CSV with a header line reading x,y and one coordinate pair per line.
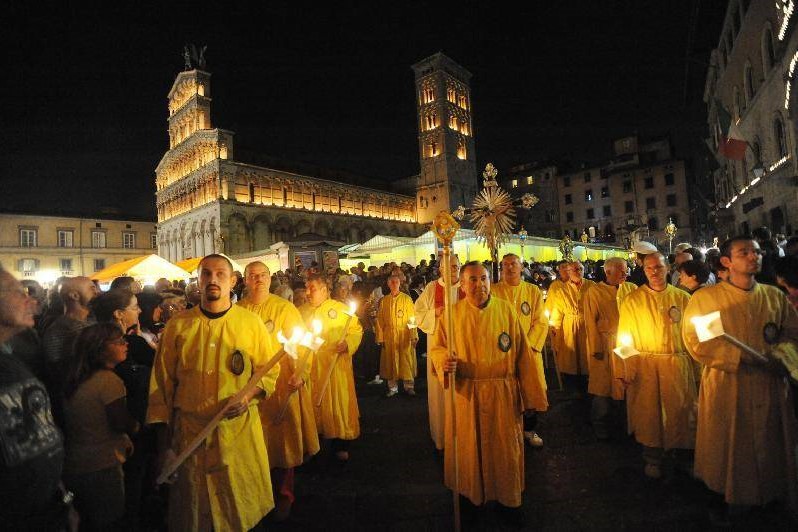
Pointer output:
x,y
295,438
398,356
661,399
567,318
552,298
493,386
746,422
527,300
338,416
600,306
225,483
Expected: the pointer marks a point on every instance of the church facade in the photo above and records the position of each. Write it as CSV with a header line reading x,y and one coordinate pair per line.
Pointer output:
x,y
209,201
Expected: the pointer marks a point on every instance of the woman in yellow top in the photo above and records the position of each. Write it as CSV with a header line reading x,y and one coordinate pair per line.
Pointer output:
x,y
396,332
97,426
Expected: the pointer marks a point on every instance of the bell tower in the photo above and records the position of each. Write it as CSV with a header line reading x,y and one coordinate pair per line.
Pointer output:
x,y
448,174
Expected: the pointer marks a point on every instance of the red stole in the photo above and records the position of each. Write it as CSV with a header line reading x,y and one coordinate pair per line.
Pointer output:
x,y
439,295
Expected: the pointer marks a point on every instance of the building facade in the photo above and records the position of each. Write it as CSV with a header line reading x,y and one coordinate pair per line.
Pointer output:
x,y
752,75
208,200
540,179
43,248
632,196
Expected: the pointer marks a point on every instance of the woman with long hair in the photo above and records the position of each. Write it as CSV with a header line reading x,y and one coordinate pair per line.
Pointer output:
x,y
97,425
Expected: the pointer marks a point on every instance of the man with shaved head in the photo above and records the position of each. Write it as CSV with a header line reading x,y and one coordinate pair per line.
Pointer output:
x,y
661,382
496,379
77,294
294,439
600,307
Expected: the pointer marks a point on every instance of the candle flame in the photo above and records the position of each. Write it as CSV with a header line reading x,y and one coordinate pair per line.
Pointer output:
x,y
316,326
307,340
296,335
281,337
625,339
547,313
352,307
708,326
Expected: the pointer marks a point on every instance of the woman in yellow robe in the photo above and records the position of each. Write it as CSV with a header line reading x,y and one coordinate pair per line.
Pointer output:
x,y
338,417
398,341
494,385
747,428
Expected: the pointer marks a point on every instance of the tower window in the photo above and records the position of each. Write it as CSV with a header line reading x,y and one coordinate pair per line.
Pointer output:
x,y
431,149
461,150
453,122
450,94
514,183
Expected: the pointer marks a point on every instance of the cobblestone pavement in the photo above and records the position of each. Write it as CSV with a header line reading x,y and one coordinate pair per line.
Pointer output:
x,y
575,482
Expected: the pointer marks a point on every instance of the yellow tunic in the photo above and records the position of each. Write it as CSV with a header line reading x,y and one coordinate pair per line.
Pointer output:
x,y
295,438
552,297
398,356
225,483
338,416
527,300
567,318
600,306
494,384
662,395
746,422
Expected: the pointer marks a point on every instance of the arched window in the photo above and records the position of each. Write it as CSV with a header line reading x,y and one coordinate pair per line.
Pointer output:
x,y
768,55
756,150
748,83
780,137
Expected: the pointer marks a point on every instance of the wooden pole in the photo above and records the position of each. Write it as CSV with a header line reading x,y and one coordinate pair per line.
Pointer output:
x,y
170,468
326,381
300,369
447,302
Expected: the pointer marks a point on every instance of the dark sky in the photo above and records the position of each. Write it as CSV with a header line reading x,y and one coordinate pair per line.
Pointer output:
x,y
83,92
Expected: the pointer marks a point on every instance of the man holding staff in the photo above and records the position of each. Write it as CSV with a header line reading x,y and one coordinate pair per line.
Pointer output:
x,y
397,335
746,436
332,381
294,438
205,356
527,301
429,313
496,380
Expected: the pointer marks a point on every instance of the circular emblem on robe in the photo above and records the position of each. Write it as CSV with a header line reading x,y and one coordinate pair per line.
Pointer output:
x,y
505,342
270,326
675,314
525,308
771,333
237,363
400,313
332,313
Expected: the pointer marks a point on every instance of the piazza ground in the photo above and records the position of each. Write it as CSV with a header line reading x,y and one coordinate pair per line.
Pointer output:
x,y
394,479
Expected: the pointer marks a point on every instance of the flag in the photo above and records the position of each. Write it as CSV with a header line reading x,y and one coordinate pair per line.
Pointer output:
x,y
731,143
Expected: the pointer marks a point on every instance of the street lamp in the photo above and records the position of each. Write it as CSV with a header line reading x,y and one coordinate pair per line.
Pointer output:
x,y
522,235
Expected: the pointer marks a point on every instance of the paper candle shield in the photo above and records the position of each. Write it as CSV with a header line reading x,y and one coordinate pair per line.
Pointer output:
x,y
708,327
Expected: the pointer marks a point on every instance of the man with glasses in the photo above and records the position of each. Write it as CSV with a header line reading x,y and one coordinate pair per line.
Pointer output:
x,y
661,390
746,435
601,303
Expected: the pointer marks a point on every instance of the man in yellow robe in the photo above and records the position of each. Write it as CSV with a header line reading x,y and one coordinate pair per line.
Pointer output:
x,y
396,334
746,422
527,301
429,309
338,417
205,356
661,388
568,325
291,441
495,382
600,307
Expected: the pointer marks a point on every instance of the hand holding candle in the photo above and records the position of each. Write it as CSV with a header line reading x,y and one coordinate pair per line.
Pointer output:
x,y
311,342
710,326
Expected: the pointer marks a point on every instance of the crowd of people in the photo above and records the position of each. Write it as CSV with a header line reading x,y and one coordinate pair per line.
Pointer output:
x,y
100,391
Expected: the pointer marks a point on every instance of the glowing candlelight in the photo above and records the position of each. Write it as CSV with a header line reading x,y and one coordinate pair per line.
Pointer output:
x,y
548,317
626,349
708,326
411,323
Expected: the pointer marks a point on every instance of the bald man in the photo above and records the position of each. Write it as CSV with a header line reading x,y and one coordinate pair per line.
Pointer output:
x,y
77,293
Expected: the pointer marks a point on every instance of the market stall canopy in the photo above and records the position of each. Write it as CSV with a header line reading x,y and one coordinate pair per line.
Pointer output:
x,y
146,269
191,265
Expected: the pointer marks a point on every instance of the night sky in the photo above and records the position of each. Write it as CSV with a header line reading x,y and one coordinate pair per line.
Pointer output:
x,y
83,93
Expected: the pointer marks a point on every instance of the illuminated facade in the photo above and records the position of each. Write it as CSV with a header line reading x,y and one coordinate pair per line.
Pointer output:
x,y
207,201
43,248
448,176
752,73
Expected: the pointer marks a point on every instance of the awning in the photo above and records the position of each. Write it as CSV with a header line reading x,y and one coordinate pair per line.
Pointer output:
x,y
147,269
191,265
